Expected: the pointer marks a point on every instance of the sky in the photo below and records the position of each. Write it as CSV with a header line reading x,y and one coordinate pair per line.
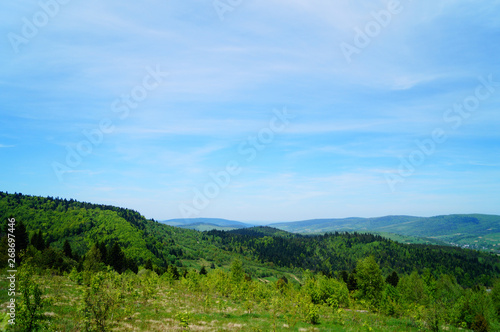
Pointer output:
x,y
253,110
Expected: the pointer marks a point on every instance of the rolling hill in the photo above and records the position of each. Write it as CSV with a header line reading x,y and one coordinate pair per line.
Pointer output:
x,y
207,224
263,249
477,231
474,231
91,258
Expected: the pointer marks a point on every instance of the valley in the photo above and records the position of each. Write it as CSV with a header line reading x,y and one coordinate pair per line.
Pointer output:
x,y
121,271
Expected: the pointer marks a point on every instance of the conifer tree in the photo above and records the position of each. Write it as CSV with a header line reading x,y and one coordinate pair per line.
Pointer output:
x,y
37,241
352,284
92,259
393,279
22,239
104,252
148,265
67,249
116,258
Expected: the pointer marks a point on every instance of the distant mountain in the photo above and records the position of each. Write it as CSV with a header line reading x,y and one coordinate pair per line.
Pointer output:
x,y
206,224
265,252
261,231
477,231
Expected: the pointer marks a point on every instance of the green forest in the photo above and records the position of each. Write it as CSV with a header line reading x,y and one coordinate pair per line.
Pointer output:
x,y
90,267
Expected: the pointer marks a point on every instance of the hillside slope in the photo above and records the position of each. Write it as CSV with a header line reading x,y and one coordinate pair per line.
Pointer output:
x,y
265,251
84,224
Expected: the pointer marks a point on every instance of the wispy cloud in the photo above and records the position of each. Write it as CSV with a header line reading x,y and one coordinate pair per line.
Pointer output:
x,y
353,122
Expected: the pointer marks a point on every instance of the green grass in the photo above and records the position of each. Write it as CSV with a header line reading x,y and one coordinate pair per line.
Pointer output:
x,y
172,303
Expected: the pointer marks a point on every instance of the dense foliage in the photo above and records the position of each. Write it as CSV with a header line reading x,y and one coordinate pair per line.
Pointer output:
x,y
116,257
100,299
336,252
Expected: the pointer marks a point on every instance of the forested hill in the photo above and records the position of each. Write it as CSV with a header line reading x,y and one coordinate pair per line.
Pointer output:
x,y
335,252
83,224
262,249
478,231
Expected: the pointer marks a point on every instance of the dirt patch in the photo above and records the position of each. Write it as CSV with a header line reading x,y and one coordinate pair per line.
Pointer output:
x,y
234,326
295,277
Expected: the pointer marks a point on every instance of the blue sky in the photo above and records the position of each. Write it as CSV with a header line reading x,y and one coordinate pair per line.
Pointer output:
x,y
144,105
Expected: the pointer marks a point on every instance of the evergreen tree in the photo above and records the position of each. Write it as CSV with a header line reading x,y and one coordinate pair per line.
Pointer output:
x,y
93,261
116,258
393,279
352,283
344,276
21,235
172,270
132,265
37,241
148,265
104,252
67,249
203,271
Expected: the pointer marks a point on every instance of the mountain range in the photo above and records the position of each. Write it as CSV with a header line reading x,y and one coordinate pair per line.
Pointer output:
x,y
476,231
67,230
206,224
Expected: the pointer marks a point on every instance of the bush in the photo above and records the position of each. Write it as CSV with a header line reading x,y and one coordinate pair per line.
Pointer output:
x,y
100,300
30,315
76,276
327,290
480,324
390,298
312,314
474,310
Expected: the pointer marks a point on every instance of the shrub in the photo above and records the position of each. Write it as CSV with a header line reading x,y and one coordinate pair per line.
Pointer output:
x,y
480,324
312,314
100,300
30,315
